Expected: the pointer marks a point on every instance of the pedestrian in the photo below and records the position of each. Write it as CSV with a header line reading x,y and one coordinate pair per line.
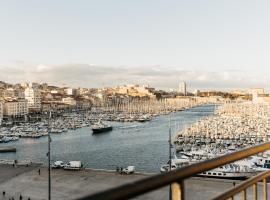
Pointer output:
x,y
121,170
233,184
38,171
4,193
20,197
117,169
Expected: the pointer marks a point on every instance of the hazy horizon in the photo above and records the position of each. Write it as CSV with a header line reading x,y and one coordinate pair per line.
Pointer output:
x,y
91,76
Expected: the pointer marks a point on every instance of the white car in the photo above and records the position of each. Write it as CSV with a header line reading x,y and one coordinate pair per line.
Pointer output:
x,y
129,170
58,164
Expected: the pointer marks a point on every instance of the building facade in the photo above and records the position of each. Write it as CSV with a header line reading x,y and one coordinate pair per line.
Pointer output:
x,y
1,112
83,104
69,101
15,108
33,96
71,91
136,91
183,88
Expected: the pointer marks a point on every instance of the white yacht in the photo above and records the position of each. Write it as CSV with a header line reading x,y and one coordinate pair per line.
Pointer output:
x,y
230,171
175,163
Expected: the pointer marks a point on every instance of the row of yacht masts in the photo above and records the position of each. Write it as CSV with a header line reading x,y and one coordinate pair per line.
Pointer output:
x,y
152,106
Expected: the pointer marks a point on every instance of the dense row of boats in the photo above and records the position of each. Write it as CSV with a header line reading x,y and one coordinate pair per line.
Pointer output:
x,y
141,111
233,127
131,112
238,170
58,125
5,139
70,121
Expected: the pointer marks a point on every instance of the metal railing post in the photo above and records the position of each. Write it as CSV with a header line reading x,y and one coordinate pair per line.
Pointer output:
x,y
242,187
255,191
265,188
244,194
178,191
182,190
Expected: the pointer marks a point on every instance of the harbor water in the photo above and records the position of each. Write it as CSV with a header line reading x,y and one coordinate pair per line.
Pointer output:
x,y
144,145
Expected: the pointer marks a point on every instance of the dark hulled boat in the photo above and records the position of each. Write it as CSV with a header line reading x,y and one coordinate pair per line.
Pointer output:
x,y
101,127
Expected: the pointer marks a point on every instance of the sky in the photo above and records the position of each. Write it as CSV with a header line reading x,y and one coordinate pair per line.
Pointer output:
x,y
209,44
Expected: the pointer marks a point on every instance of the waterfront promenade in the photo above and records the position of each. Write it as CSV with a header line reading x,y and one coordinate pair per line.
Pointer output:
x,y
27,182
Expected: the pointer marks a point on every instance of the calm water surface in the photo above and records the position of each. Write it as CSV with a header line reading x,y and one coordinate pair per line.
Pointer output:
x,y
144,145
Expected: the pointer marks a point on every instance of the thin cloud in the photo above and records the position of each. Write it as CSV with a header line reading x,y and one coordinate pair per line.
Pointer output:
x,y
85,75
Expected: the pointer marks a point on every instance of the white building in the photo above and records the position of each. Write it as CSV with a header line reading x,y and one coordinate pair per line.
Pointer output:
x,y
70,101
183,88
1,112
256,91
258,95
33,96
136,90
54,92
9,93
15,107
13,93
70,91
196,92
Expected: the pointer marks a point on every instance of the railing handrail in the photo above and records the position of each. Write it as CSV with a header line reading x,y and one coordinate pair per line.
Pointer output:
x,y
140,187
242,186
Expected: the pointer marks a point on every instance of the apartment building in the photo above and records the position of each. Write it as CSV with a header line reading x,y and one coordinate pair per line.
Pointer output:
x,y
1,112
33,96
15,108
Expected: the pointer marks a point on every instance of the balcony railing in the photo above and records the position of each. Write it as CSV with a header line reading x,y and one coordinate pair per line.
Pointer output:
x,y
246,184
177,177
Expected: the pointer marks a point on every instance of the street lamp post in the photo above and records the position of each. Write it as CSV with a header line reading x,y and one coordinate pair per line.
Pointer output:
x,y
170,157
49,161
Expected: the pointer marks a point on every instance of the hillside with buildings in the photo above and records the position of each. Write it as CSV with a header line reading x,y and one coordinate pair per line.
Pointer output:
x,y
22,101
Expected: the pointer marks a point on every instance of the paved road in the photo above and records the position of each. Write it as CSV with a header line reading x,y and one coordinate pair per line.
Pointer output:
x,y
8,172
27,182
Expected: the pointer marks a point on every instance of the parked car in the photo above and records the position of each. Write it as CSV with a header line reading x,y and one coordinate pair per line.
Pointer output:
x,y
58,164
129,170
73,165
